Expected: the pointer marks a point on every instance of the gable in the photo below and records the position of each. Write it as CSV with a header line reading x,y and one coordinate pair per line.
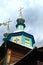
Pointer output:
x,y
21,38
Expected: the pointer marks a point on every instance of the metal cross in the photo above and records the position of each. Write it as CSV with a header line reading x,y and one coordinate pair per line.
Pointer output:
x,y
20,11
8,30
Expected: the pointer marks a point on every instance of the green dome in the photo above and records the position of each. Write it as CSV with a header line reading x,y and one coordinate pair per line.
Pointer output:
x,y
20,20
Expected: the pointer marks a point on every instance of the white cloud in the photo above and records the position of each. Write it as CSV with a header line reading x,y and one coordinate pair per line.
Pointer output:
x,y
3,15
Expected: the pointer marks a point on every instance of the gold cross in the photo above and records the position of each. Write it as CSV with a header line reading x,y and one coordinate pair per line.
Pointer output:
x,y
8,23
20,11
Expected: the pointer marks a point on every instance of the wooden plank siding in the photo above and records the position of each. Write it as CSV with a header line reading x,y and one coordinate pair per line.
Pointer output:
x,y
20,54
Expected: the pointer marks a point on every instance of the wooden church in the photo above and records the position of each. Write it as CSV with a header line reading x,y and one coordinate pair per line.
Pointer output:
x,y
18,47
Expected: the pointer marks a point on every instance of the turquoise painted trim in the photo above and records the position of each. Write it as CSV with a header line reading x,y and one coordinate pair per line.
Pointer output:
x,y
23,40
21,33
4,63
11,39
29,39
17,40
20,27
30,42
14,40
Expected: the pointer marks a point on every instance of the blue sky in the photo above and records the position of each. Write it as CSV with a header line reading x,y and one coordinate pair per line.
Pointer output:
x,y
32,12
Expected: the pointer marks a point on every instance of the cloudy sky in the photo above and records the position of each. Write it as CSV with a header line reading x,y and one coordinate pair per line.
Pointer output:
x,y
32,12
